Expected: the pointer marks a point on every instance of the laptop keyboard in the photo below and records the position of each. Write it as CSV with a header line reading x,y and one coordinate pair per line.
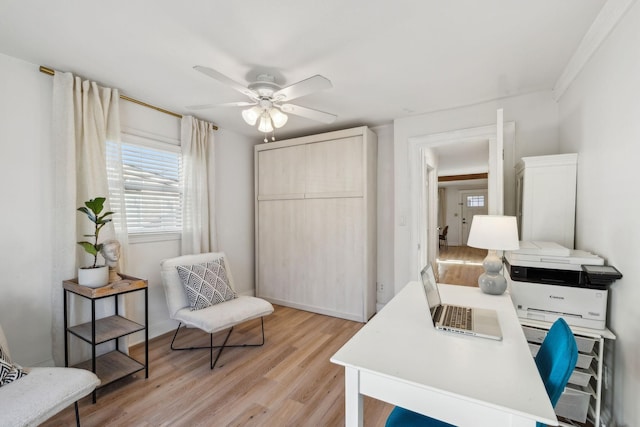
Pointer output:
x,y
458,317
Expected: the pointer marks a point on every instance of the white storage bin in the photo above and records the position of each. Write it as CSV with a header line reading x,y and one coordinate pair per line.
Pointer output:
x,y
584,360
574,403
585,345
535,335
581,377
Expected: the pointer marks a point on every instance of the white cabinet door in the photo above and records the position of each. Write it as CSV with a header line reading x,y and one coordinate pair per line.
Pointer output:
x,y
281,173
281,249
335,263
335,168
546,198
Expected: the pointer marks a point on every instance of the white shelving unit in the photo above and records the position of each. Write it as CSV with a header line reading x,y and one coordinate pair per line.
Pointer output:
x,y
582,399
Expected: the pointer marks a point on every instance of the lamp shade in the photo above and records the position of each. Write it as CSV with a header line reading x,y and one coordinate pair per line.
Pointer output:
x,y
278,117
251,115
265,123
494,232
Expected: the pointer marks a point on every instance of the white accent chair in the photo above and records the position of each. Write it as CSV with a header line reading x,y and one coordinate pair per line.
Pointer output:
x,y
212,319
42,393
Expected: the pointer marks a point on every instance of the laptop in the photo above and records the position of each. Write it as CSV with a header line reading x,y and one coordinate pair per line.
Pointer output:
x,y
476,322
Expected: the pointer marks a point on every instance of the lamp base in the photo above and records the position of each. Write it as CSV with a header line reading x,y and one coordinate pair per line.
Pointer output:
x,y
491,281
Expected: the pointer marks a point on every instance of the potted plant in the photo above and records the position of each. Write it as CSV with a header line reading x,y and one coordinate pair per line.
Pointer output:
x,y
95,275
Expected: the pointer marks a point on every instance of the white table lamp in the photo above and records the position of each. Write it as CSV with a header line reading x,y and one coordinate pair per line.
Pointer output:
x,y
495,233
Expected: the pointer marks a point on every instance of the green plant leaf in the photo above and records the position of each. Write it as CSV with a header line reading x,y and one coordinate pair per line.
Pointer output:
x,y
102,218
89,247
96,205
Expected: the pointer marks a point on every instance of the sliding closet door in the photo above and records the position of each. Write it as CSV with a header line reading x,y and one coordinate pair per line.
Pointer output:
x,y
334,246
315,223
281,249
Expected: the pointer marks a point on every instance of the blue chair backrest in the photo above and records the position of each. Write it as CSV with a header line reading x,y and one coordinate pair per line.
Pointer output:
x,y
557,358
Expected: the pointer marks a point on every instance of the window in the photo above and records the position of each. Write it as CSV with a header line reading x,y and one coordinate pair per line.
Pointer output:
x,y
475,201
151,172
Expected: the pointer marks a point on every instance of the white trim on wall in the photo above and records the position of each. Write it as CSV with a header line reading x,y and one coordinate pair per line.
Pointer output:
x,y
608,18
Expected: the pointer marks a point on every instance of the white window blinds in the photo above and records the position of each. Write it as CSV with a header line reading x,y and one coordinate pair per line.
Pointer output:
x,y
151,173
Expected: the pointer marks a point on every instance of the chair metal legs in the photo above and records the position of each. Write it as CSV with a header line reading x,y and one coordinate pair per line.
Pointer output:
x,y
220,347
77,414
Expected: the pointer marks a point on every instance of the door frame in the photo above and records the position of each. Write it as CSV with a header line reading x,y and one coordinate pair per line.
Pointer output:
x,y
417,149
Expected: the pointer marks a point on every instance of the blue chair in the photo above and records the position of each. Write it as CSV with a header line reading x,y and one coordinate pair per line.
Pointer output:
x,y
555,360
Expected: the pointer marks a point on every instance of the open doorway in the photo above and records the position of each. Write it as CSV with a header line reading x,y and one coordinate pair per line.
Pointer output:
x,y
458,202
501,139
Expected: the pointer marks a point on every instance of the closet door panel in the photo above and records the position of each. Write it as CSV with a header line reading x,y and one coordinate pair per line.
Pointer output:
x,y
335,168
281,173
281,252
335,247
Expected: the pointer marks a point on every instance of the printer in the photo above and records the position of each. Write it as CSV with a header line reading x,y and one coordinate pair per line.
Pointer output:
x,y
548,281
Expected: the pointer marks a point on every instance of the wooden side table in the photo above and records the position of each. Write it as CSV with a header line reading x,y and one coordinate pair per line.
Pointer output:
x,y
115,364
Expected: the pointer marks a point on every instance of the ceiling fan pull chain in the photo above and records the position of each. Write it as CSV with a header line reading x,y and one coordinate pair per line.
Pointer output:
x,y
265,138
273,135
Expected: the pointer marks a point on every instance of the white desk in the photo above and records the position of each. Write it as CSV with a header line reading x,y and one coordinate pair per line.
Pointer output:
x,y
398,357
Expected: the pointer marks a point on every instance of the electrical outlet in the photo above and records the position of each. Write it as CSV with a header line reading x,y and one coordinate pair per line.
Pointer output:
x,y
380,287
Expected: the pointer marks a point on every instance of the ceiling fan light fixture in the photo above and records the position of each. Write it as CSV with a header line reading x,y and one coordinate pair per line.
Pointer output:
x,y
265,123
278,117
251,115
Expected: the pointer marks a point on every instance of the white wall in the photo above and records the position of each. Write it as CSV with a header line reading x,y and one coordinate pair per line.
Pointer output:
x,y
536,119
600,120
385,213
26,244
25,216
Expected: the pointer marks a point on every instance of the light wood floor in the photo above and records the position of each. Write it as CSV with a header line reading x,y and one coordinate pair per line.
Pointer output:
x,y
460,265
287,382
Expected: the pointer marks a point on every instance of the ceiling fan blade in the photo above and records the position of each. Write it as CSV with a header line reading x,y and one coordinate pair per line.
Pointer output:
x,y
200,106
309,113
226,80
302,88
228,104
237,104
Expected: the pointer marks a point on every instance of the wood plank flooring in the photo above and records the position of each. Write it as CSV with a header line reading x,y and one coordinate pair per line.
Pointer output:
x,y
460,265
287,382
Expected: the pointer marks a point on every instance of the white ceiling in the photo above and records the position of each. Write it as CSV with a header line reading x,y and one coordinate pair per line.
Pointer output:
x,y
386,59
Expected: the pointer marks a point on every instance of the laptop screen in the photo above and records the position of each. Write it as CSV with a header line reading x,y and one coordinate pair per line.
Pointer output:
x,y
430,287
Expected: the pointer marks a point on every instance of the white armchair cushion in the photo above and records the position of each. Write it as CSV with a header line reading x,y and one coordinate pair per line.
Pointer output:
x,y
217,317
205,284
223,316
42,394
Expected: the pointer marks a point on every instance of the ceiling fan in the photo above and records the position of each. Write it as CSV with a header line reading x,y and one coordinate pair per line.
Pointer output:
x,y
268,103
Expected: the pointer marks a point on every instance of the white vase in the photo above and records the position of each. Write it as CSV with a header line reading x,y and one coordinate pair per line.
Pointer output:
x,y
93,277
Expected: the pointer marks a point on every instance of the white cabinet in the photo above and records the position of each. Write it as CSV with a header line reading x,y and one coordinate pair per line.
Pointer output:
x,y
546,198
582,398
316,223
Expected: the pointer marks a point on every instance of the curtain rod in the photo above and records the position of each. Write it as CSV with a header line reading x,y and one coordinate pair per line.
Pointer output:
x,y
51,72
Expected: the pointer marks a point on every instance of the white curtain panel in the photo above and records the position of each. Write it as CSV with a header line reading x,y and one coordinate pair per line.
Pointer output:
x,y
84,116
198,220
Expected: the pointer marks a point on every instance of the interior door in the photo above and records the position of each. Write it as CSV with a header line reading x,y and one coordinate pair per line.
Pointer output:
x,y
472,202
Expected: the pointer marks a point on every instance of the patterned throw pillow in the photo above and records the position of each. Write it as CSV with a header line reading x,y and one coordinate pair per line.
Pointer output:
x,y
206,284
8,371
